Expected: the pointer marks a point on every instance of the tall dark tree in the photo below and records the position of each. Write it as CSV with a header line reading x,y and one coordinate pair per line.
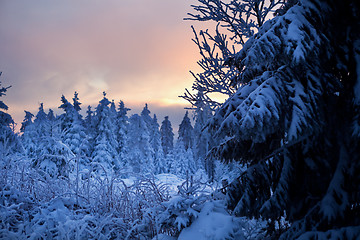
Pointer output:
x,y
76,102
294,120
122,123
8,140
186,132
66,118
27,120
167,136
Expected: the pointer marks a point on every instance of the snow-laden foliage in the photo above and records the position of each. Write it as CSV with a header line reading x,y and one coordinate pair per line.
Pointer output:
x,y
294,119
93,205
140,156
105,138
8,140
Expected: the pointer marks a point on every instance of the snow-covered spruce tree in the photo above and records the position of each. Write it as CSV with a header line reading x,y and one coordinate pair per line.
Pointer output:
x,y
76,102
239,20
89,120
167,136
185,132
45,148
29,135
54,124
65,119
27,121
295,121
159,158
122,123
139,147
105,140
74,135
155,139
179,163
8,139
183,163
145,114
186,140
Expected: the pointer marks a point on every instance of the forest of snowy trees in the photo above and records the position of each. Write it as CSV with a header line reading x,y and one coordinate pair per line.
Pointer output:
x,y
109,138
279,159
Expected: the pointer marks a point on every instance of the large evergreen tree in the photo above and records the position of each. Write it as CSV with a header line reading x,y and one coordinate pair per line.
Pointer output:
x,y
44,146
139,147
75,133
105,140
294,120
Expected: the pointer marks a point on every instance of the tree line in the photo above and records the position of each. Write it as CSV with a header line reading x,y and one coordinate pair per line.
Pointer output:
x,y
107,138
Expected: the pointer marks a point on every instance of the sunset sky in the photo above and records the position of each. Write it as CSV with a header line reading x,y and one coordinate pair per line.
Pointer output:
x,y
139,51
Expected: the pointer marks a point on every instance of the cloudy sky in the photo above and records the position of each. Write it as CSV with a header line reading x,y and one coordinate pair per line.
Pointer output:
x,y
139,51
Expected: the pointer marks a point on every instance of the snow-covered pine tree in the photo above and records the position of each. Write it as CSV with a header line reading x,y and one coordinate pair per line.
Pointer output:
x,y
8,139
74,135
76,102
145,114
185,132
89,117
140,151
29,135
159,158
186,138
167,136
45,148
41,121
155,139
122,123
180,163
113,112
34,133
50,115
54,125
5,118
27,121
65,119
105,139
294,120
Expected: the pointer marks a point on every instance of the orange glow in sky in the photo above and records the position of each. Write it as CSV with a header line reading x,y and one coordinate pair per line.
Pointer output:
x,y
139,51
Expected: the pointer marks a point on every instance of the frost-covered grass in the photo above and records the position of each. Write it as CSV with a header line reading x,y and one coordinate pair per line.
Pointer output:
x,y
92,204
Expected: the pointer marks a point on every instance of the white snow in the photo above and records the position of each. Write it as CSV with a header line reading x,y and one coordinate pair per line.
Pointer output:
x,y
213,223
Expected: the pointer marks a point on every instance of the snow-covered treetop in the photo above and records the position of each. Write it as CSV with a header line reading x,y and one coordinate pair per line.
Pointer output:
x,y
41,115
76,102
122,110
5,118
66,106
